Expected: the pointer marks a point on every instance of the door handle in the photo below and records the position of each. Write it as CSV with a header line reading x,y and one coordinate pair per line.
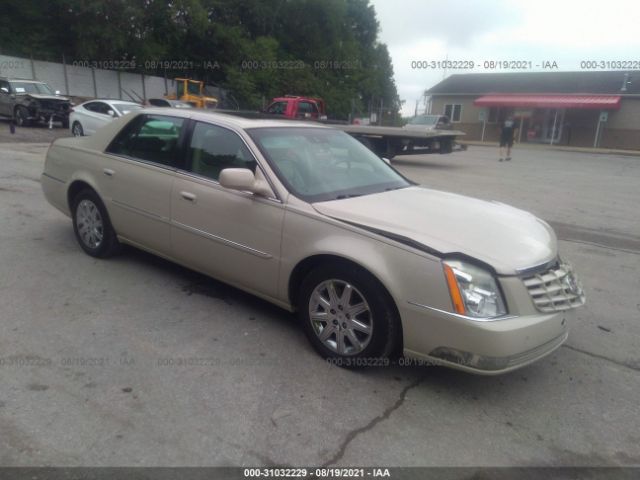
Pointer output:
x,y
188,196
108,172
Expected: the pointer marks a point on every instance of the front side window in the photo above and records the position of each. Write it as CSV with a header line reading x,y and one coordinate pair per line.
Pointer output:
x,y
153,138
277,108
98,107
318,164
213,148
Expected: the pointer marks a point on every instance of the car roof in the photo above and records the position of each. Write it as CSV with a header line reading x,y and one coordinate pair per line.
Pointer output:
x,y
27,80
229,120
112,100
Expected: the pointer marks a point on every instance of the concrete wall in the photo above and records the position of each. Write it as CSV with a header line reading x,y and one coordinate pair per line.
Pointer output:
x,y
78,81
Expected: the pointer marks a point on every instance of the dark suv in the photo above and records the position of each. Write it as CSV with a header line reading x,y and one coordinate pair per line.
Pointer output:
x,y
29,101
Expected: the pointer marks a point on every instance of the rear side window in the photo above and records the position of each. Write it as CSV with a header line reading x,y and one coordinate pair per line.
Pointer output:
x,y
214,148
159,102
153,138
307,107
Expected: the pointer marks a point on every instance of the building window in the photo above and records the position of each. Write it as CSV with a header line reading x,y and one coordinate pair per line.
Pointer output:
x,y
453,111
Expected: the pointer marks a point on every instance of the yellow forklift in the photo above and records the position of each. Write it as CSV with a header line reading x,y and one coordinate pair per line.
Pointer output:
x,y
192,91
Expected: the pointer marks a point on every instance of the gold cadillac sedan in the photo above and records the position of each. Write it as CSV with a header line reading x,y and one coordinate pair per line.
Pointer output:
x,y
306,217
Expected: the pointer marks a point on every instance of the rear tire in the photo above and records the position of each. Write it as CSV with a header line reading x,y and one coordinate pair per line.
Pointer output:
x,y
348,316
92,226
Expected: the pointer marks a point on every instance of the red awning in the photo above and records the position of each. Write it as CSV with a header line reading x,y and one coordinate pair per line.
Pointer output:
x,y
600,102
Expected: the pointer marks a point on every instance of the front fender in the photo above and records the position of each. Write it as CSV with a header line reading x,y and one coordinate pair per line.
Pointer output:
x,y
408,275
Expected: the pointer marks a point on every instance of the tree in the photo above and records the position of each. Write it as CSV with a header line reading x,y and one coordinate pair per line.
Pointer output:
x,y
259,50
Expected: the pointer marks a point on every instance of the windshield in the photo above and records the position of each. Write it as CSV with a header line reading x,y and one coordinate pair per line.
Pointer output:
x,y
30,87
124,108
319,164
193,88
424,120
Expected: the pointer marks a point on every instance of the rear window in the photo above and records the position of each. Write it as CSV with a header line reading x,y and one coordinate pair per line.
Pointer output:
x,y
124,108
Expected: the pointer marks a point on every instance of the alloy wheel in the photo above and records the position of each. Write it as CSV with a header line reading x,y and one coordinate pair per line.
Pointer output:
x,y
340,317
89,224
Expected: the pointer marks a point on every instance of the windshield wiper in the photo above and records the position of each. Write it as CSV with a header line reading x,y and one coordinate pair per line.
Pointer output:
x,y
347,195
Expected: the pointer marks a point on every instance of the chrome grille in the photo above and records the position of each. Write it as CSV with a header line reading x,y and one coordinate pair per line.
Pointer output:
x,y
555,289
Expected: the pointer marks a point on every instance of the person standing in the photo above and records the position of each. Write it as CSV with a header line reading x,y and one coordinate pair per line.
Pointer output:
x,y
506,138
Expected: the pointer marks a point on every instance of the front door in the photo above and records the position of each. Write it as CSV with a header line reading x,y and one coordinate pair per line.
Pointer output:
x,y
231,235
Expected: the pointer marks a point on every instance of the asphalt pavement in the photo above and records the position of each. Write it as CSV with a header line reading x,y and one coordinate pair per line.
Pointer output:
x,y
134,361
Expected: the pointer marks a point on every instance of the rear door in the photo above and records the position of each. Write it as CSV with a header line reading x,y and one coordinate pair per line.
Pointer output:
x,y
139,182
232,235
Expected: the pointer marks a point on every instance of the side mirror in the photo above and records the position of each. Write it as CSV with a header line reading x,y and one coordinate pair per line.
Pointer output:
x,y
4,90
243,179
111,113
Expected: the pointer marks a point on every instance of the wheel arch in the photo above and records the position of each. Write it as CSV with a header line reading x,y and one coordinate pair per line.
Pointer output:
x,y
76,186
306,265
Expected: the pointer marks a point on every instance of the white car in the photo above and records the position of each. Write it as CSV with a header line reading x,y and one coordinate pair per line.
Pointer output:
x,y
308,218
89,116
428,122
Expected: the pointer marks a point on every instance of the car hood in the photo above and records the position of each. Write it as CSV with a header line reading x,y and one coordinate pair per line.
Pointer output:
x,y
504,237
42,96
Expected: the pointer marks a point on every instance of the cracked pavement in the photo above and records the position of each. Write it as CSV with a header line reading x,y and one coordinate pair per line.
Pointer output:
x,y
137,362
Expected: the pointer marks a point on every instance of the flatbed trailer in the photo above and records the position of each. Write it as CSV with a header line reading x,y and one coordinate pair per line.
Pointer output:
x,y
391,141
385,142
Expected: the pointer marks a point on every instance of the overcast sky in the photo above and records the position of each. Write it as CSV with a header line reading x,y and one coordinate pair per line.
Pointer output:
x,y
561,31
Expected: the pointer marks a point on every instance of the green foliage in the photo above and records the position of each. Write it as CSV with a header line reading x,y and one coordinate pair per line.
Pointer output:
x,y
255,49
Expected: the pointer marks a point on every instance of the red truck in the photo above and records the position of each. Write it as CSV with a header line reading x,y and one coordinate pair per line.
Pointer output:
x,y
294,106
383,141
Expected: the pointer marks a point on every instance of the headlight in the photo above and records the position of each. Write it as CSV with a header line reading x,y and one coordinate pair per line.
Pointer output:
x,y
474,291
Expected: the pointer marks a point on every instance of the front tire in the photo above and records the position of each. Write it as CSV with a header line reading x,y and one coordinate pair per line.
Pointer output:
x,y
21,116
348,315
92,226
77,130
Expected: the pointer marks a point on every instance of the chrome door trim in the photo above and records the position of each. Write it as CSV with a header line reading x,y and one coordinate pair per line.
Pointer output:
x,y
224,241
144,213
